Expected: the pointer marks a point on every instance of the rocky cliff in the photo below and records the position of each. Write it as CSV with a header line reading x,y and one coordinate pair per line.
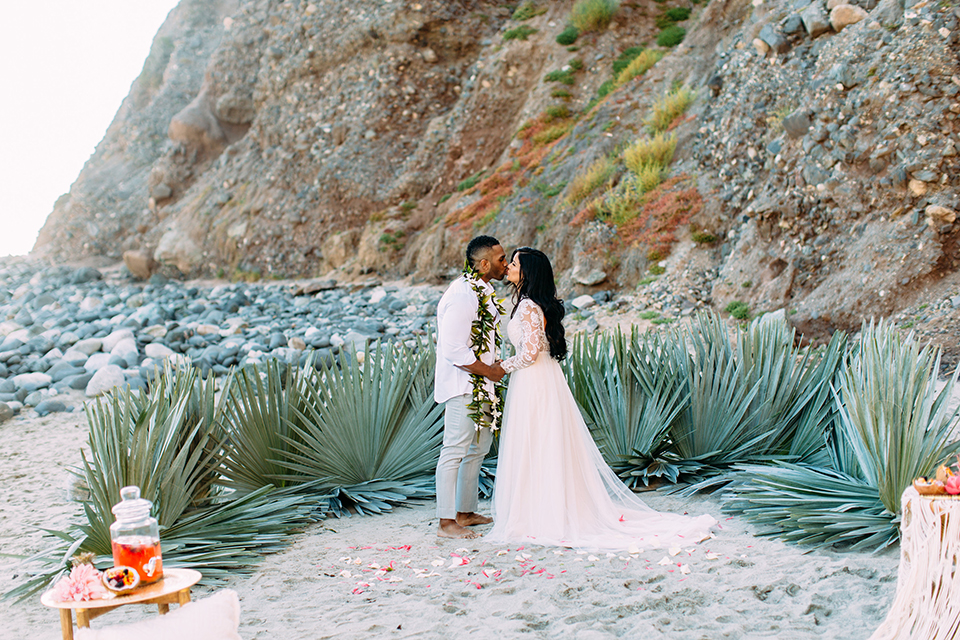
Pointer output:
x,y
809,156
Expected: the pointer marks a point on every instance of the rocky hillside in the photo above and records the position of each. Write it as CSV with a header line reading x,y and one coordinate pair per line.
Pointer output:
x,y
787,154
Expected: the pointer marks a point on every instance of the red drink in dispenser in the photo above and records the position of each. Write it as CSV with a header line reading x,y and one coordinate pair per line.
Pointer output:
x,y
140,553
135,536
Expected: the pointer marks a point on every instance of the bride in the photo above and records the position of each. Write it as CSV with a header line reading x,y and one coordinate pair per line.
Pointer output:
x,y
553,486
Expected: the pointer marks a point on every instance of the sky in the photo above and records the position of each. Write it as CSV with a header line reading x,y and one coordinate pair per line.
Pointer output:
x,y
65,67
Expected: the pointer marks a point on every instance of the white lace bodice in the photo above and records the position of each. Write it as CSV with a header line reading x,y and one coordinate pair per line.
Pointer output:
x,y
528,335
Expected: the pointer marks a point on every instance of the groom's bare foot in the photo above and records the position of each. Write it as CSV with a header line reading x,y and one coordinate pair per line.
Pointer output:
x,y
472,519
450,529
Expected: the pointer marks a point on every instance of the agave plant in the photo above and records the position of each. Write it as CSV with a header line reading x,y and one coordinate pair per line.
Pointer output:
x,y
794,398
258,411
778,399
896,422
369,432
170,442
893,427
720,425
628,410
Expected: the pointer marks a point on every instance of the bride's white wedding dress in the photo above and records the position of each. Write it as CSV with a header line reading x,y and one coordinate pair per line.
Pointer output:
x,y
553,486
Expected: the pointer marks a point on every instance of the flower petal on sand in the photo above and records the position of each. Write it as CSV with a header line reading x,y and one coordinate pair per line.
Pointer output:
x,y
665,561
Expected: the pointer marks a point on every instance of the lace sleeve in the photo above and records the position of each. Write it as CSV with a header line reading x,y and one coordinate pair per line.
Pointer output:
x,y
533,339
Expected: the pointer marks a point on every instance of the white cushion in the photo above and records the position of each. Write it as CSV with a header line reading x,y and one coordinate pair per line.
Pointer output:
x,y
213,618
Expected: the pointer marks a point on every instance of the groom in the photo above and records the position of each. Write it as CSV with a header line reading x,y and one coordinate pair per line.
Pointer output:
x,y
464,447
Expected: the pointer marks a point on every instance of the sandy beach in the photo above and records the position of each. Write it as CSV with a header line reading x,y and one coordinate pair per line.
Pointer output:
x,y
390,576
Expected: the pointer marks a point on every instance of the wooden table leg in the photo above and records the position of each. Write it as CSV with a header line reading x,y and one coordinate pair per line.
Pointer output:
x,y
66,624
83,618
183,596
163,608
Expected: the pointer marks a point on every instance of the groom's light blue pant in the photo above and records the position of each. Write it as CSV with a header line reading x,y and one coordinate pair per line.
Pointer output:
x,y
460,460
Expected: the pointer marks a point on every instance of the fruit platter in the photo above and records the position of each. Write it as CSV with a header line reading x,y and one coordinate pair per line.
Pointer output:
x,y
121,579
946,483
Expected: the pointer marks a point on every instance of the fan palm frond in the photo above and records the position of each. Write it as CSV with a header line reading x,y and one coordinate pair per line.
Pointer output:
x,y
232,535
793,396
628,410
896,423
893,426
369,422
168,441
807,505
719,426
258,411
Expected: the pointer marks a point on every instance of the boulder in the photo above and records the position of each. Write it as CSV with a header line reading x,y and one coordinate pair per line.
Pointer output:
x,y
774,39
104,379
917,188
88,346
96,361
938,216
844,15
140,264
589,277
156,350
114,338
32,381
814,20
160,191
797,124
583,302
791,24
5,412
196,127
176,247
50,406
84,275
126,349
889,13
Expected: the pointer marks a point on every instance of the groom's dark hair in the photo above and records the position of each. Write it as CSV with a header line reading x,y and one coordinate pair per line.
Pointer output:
x,y
478,244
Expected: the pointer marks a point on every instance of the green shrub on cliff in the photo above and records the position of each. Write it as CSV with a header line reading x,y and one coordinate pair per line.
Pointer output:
x,y
671,36
593,15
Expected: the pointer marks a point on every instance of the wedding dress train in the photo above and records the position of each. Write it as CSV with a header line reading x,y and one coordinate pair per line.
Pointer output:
x,y
553,486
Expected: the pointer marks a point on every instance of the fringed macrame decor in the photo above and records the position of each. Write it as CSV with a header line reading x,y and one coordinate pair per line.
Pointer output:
x,y
927,605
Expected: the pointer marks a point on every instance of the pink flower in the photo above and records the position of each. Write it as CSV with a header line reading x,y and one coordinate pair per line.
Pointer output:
x,y
953,485
82,584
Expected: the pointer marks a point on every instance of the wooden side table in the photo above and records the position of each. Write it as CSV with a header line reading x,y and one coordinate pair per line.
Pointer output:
x,y
927,604
173,588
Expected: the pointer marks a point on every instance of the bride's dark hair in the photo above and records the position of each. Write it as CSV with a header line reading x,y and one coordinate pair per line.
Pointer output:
x,y
536,283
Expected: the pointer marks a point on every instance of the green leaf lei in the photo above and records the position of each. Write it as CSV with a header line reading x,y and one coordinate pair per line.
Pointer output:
x,y
486,406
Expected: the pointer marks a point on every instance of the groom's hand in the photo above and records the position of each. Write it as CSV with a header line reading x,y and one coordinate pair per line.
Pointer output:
x,y
493,372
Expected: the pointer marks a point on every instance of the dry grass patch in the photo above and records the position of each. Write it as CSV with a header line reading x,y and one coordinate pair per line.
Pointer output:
x,y
648,151
638,66
648,177
668,108
553,132
586,183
